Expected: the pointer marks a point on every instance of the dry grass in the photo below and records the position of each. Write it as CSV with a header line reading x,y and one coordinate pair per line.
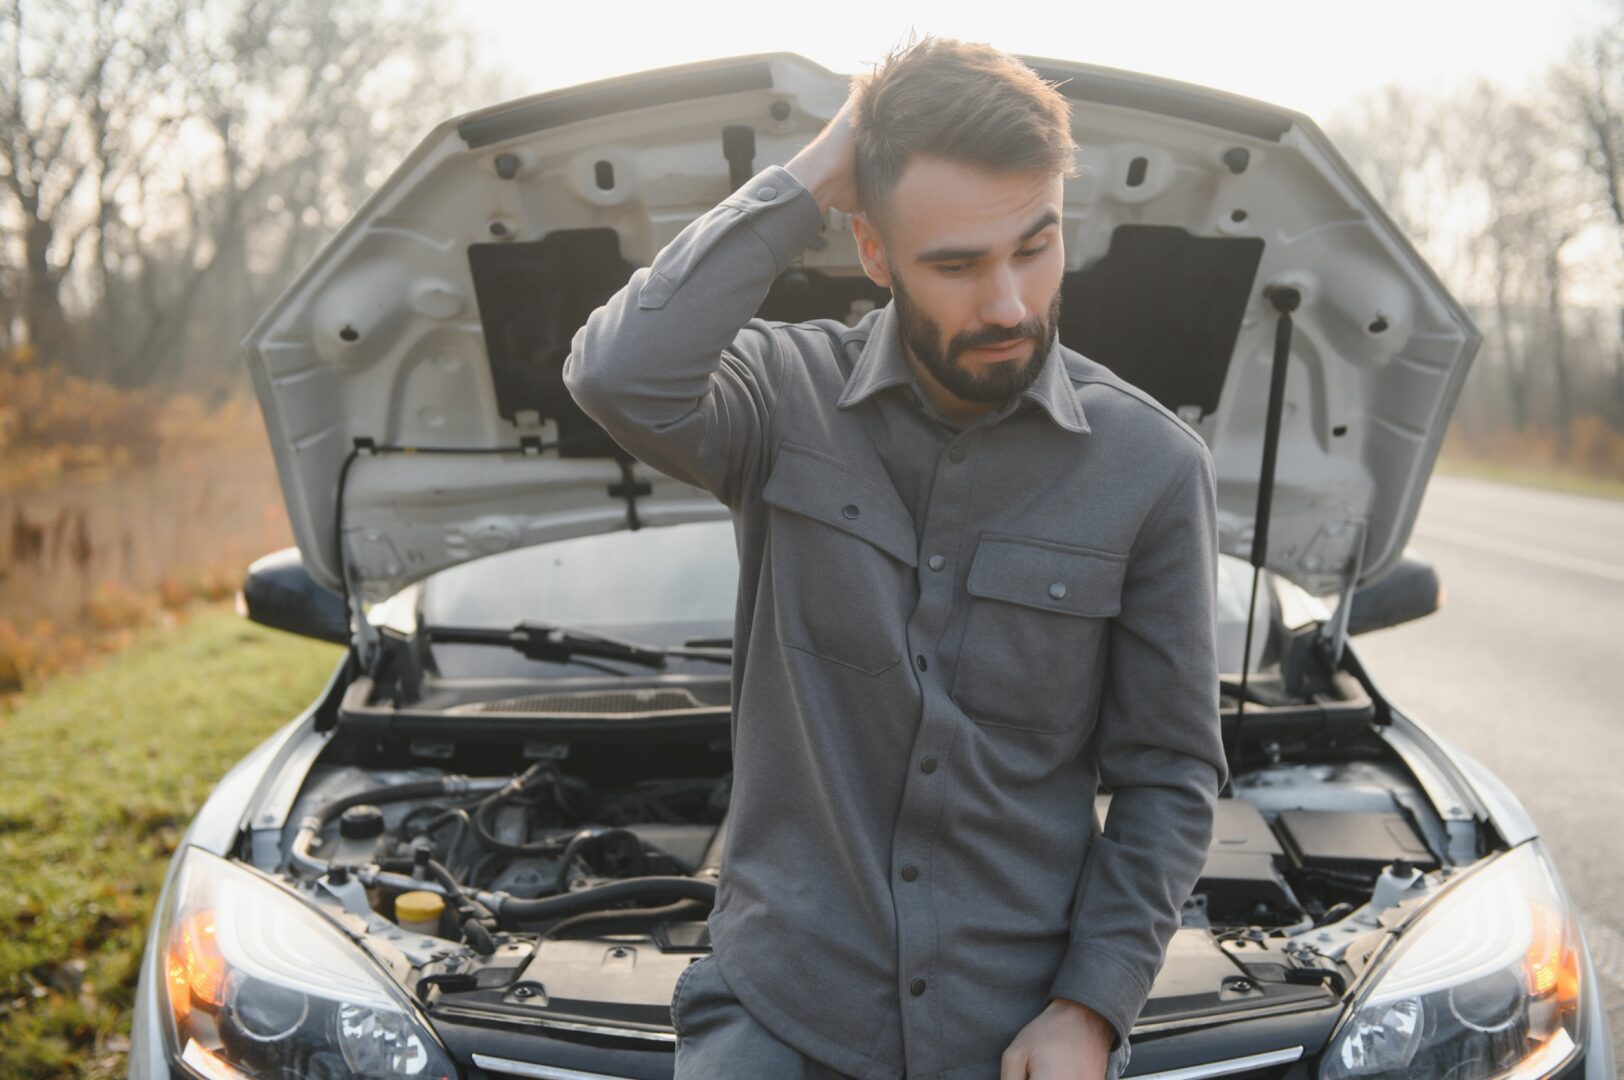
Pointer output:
x,y
102,774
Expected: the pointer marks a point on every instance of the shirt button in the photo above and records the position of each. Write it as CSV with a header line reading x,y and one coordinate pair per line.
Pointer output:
x,y
937,562
850,510
955,454
928,765
920,660
910,872
1058,590
767,194
916,987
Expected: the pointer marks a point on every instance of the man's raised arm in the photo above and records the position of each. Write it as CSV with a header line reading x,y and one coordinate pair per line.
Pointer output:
x,y
674,366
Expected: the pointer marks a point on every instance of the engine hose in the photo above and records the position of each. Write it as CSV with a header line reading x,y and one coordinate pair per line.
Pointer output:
x,y
471,914
647,889
551,845
626,920
450,888
598,838
310,829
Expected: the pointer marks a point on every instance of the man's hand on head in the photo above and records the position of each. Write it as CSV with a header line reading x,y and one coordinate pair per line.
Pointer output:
x,y
1066,1041
827,166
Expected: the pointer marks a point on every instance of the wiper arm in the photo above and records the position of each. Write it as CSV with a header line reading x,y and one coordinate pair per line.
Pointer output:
x,y
539,641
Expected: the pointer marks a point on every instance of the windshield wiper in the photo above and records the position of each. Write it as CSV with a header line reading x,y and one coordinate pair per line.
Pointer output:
x,y
539,641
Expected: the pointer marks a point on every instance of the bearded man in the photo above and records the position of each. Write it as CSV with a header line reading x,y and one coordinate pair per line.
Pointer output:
x,y
977,576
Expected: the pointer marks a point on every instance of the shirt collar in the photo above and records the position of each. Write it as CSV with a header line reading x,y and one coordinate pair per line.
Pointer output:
x,y
883,363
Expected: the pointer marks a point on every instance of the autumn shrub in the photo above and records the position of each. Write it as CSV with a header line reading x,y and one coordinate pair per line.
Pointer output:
x,y
55,426
1592,448
119,509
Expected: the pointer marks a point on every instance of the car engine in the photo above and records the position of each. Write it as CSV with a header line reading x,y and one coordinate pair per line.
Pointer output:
x,y
577,891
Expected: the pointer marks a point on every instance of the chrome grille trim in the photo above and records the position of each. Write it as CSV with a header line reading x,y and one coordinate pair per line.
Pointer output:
x,y
509,1067
639,1034
1227,1067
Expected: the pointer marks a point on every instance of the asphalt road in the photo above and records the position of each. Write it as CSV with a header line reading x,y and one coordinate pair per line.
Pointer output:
x,y
1522,669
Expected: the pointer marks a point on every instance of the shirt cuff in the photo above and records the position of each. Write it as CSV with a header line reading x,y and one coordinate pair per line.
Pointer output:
x,y
1093,977
780,211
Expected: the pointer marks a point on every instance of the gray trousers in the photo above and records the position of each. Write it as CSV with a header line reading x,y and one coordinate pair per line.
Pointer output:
x,y
718,1040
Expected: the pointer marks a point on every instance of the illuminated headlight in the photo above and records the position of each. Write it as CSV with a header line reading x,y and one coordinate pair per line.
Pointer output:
x,y
1485,985
259,985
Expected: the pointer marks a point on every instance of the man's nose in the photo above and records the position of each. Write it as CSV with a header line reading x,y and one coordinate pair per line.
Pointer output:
x,y
1002,305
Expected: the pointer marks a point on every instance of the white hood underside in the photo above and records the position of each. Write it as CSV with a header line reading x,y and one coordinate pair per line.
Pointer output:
x,y
388,334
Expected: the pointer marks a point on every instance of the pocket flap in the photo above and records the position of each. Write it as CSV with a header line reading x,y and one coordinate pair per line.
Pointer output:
x,y
1043,574
808,484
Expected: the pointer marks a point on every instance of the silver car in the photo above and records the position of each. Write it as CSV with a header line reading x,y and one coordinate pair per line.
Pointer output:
x,y
490,847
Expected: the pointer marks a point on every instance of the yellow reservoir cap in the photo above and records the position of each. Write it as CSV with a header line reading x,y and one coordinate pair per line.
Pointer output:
x,y
419,907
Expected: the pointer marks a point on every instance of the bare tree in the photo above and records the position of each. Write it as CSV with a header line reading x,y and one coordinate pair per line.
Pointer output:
x,y
1515,160
1591,84
1484,183
299,102
188,155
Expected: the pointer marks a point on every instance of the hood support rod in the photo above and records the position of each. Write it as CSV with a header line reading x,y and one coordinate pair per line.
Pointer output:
x,y
1285,300
1334,633
363,635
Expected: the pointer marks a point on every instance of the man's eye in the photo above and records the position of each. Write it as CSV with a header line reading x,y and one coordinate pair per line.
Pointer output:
x,y
1033,252
952,268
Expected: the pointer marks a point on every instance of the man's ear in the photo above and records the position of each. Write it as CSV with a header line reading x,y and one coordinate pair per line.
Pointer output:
x,y
871,250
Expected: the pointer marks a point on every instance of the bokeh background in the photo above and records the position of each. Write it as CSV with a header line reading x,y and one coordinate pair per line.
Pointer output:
x,y
166,166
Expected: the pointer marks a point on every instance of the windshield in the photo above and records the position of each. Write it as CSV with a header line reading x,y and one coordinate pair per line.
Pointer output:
x,y
673,575
677,583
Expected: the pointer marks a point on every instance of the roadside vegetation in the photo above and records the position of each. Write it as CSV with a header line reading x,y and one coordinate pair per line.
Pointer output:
x,y
119,508
99,776
1590,461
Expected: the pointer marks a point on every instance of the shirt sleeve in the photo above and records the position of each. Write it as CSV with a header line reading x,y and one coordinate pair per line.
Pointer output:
x,y
673,366
1160,748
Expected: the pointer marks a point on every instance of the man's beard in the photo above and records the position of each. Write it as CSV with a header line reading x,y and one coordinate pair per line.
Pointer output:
x,y
1002,381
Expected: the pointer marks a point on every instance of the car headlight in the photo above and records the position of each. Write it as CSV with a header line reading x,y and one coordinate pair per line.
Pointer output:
x,y
1485,985
260,985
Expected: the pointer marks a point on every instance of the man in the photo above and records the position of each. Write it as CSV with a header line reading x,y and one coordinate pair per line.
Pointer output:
x,y
977,576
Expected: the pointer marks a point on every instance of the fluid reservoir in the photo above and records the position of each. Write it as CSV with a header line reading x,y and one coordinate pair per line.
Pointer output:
x,y
418,912
359,830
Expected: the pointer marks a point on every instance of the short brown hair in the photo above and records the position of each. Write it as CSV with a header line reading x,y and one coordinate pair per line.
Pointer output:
x,y
963,102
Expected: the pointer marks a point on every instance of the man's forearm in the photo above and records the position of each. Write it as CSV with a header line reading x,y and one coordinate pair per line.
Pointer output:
x,y
1159,749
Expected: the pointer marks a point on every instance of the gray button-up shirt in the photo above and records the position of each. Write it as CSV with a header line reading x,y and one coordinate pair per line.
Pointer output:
x,y
946,638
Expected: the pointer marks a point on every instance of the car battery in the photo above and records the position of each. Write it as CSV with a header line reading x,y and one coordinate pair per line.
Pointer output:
x,y
1350,844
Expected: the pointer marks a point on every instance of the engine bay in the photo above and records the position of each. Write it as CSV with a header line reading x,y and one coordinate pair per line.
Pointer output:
x,y
570,890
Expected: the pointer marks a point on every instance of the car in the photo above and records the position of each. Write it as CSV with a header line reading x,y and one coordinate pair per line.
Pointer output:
x,y
489,848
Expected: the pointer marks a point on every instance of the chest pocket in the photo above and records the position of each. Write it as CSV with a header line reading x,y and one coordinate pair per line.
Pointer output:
x,y
843,549
1034,647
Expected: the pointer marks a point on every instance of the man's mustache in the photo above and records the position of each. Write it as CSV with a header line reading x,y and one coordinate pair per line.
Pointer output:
x,y
995,337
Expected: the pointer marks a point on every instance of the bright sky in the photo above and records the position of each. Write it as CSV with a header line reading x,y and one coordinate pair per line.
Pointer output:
x,y
1307,55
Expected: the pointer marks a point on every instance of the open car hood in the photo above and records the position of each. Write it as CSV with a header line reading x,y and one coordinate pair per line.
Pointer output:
x,y
410,375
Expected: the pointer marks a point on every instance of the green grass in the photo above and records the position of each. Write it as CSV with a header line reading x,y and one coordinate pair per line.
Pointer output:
x,y
99,774
1549,479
